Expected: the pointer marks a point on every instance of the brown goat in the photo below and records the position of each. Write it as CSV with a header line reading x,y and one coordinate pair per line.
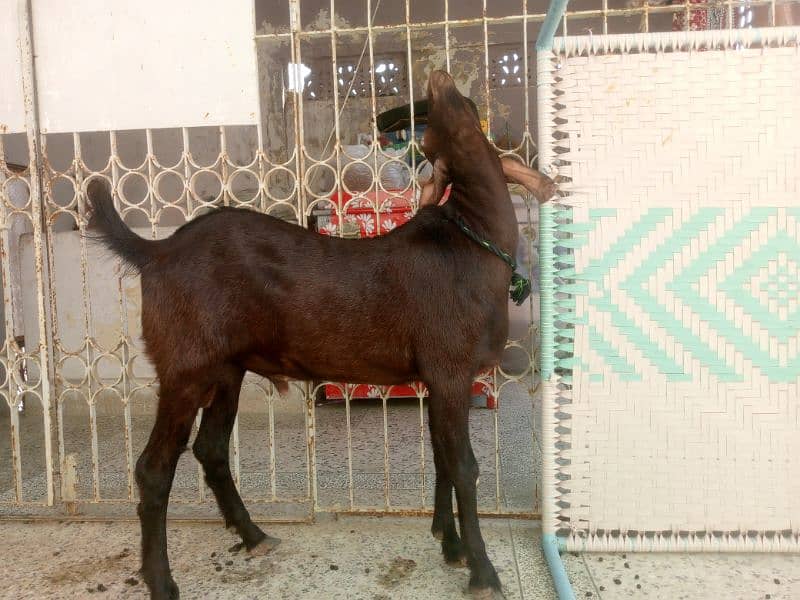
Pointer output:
x,y
235,291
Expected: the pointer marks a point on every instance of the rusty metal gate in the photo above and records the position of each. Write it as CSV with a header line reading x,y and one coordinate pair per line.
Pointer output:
x,y
283,121
79,393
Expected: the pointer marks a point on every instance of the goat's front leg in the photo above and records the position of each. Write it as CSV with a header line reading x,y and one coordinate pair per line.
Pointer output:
x,y
212,450
449,422
444,523
155,471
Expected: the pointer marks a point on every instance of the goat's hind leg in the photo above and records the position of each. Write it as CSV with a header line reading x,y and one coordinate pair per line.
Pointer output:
x,y
212,450
155,471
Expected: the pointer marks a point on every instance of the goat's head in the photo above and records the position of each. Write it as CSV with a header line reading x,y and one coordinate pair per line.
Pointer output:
x,y
452,121
448,114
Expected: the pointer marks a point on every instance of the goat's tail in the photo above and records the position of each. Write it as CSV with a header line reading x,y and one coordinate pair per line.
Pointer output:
x,y
107,227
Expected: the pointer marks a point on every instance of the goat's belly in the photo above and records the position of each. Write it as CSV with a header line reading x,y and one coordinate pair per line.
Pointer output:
x,y
387,366
335,363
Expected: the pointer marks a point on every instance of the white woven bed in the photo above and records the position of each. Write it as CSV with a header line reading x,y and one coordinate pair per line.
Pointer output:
x,y
670,283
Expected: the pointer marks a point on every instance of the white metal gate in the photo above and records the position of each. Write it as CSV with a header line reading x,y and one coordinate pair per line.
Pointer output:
x,y
79,394
209,114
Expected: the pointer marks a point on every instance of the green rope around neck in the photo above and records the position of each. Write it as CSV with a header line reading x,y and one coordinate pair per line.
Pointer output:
x,y
520,287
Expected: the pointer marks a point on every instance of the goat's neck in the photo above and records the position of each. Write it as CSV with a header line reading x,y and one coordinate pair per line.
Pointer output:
x,y
490,215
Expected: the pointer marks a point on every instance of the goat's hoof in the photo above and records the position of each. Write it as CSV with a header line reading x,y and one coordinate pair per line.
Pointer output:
x,y
167,591
458,562
454,554
265,546
236,548
487,593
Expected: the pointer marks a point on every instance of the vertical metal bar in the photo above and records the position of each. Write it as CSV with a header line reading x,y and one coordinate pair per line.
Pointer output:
x,y
412,146
605,17
376,147
421,447
447,34
224,170
151,175
486,73
532,335
77,150
94,444
47,199
187,173
201,484
384,406
128,422
61,448
16,454
90,398
496,424
56,347
688,17
40,247
525,83
299,136
347,397
337,146
272,469
260,156
730,14
262,164
311,449
555,12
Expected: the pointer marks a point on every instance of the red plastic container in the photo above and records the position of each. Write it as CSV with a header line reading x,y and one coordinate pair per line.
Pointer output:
x,y
394,209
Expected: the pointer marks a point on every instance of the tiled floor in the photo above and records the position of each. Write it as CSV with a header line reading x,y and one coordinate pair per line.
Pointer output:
x,y
361,558
357,557
685,576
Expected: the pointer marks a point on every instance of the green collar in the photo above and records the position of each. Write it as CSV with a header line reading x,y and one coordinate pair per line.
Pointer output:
x,y
520,287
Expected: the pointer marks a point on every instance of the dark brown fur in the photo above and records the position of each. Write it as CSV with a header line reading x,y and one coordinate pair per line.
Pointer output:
x,y
236,291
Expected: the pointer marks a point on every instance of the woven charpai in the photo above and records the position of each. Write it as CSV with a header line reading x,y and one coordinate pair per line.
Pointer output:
x,y
671,291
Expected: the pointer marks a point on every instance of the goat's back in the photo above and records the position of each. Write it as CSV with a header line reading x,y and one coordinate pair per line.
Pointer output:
x,y
236,285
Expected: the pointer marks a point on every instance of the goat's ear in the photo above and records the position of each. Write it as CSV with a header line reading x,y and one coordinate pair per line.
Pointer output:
x,y
430,144
536,183
433,189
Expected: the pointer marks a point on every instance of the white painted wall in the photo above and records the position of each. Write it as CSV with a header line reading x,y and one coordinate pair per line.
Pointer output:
x,y
12,113
115,64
